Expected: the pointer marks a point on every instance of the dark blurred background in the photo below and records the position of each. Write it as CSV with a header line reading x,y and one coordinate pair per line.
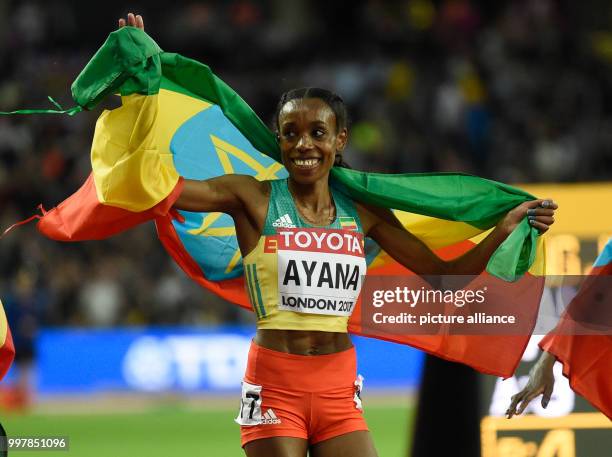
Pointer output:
x,y
515,91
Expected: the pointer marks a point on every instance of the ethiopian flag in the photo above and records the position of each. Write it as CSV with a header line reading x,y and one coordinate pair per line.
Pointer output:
x,y
7,350
582,341
179,120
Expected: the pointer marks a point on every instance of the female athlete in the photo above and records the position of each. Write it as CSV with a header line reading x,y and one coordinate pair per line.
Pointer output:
x,y
301,243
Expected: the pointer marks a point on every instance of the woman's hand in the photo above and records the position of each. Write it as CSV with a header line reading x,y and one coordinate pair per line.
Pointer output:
x,y
541,215
132,21
541,381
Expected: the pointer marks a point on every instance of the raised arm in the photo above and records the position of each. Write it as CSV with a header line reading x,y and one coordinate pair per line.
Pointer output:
x,y
408,250
226,194
242,197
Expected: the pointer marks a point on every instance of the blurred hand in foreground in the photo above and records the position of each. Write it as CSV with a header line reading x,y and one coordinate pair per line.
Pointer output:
x,y
541,381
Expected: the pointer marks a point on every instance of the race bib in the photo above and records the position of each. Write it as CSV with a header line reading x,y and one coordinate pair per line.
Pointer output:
x,y
319,270
250,405
358,389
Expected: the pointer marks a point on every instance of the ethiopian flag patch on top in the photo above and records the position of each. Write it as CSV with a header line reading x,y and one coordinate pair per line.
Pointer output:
x,y
347,223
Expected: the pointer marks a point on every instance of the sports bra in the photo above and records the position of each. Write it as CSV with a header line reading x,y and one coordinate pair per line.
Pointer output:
x,y
301,276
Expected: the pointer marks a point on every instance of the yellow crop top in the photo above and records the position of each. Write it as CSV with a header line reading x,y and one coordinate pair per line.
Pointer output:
x,y
305,277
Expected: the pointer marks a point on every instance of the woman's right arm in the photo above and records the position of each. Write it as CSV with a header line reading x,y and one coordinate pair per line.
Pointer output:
x,y
226,194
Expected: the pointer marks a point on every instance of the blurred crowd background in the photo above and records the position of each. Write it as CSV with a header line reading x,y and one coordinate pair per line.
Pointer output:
x,y
518,91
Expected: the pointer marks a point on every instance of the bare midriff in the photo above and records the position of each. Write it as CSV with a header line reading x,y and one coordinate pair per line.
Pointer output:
x,y
302,342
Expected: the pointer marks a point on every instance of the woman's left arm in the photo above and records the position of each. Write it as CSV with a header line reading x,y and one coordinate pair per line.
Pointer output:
x,y
408,250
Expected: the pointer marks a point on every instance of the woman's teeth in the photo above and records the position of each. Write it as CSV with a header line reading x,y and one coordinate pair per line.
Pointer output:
x,y
306,163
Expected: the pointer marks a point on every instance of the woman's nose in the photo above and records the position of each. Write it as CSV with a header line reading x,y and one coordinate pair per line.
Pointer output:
x,y
304,142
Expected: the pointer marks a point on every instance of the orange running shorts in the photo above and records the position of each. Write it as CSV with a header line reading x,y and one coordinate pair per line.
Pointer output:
x,y
311,397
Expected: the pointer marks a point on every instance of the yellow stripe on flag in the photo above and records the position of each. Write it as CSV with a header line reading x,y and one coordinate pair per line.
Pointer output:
x,y
539,264
3,325
131,159
436,233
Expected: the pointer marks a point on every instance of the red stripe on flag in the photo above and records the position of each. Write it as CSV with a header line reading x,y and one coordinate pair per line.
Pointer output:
x,y
232,290
587,363
82,217
498,355
586,359
7,354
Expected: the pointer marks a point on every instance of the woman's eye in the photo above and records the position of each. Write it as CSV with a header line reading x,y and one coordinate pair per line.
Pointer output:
x,y
288,135
318,133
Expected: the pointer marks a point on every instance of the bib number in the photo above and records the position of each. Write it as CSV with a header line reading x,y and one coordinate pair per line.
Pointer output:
x,y
358,390
250,405
319,271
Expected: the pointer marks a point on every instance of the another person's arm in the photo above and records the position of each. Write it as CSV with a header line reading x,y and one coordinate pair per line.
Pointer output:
x,y
541,382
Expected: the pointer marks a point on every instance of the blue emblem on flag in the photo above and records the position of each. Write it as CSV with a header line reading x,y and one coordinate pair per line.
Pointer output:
x,y
205,146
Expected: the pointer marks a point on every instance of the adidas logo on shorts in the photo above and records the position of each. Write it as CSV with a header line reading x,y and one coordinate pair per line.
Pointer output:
x,y
283,221
269,417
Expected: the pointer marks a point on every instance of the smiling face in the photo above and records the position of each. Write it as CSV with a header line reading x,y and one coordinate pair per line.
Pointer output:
x,y
309,139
